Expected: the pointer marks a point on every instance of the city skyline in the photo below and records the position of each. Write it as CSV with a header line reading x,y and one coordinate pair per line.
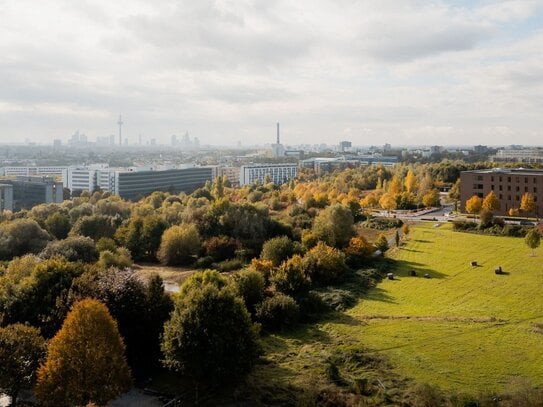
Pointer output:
x,y
415,73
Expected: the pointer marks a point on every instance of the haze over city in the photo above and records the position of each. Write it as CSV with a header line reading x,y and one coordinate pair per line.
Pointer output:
x,y
410,72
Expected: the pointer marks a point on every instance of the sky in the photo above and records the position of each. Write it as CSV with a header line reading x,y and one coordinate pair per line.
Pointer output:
x,y
372,72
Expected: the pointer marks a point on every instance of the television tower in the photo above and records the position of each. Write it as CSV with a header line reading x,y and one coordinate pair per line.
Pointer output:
x,y
120,123
278,133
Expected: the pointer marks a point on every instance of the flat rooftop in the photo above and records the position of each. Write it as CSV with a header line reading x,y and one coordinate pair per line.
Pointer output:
x,y
512,171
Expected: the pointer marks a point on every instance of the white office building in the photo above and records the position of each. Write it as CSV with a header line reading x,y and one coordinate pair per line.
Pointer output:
x,y
279,173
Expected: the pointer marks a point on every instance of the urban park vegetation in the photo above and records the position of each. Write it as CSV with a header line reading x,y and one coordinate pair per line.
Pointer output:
x,y
286,314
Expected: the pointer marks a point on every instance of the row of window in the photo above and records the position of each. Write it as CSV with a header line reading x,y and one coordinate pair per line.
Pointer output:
x,y
517,179
517,188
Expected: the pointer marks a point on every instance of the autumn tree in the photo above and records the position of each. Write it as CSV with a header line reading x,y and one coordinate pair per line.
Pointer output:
x,y
491,202
73,248
290,277
358,251
22,349
85,360
394,186
381,243
533,240
431,198
410,182
179,245
405,229
474,205
388,201
527,203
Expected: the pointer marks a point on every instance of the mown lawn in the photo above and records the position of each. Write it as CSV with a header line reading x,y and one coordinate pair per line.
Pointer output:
x,y
465,328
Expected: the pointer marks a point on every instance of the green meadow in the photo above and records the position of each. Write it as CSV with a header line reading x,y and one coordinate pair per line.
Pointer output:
x,y
464,329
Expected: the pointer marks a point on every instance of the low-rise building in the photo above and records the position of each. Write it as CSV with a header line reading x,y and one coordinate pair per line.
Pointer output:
x,y
278,173
509,185
26,192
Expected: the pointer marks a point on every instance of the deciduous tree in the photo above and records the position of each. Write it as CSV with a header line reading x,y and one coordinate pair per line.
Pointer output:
x,y
527,203
491,202
22,349
85,360
474,205
179,245
533,240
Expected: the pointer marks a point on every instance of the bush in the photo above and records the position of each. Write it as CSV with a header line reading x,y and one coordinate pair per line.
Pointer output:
x,y
278,249
250,286
221,247
381,243
21,236
290,278
278,312
179,245
358,251
229,265
121,258
461,225
383,223
203,262
74,248
106,243
264,267
334,225
324,264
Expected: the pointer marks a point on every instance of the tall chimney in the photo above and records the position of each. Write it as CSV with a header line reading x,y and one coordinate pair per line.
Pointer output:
x,y
278,142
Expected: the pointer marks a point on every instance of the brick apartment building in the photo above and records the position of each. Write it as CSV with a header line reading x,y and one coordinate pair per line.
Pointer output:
x,y
508,184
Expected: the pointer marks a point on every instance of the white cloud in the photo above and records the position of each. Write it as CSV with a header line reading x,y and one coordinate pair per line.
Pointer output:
x,y
391,71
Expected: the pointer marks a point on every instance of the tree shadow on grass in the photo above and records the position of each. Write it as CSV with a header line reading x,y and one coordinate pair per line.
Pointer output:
x,y
378,294
404,268
423,241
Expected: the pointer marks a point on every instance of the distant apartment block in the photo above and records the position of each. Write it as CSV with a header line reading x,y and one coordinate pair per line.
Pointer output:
x,y
32,171
26,192
231,174
278,173
6,197
528,155
136,182
508,184
322,165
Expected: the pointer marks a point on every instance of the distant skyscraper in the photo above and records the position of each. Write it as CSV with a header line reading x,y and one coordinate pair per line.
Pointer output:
x,y
174,140
278,140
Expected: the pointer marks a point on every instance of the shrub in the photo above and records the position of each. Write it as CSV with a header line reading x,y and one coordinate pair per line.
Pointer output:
x,y
278,249
121,258
290,278
229,265
324,264
21,236
250,286
334,225
221,247
383,223
381,243
358,251
74,248
106,243
203,262
278,312
179,245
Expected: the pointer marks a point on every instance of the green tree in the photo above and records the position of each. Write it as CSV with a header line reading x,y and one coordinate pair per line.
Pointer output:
x,y
21,236
397,238
334,225
22,349
290,277
85,360
73,248
324,264
533,240
179,245
278,249
250,285
431,198
218,188
381,243
58,225
94,226
210,337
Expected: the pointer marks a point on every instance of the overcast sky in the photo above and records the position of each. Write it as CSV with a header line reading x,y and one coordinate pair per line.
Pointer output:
x,y
396,71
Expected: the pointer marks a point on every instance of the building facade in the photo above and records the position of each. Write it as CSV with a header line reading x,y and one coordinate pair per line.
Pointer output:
x,y
509,185
32,171
6,197
278,173
522,155
27,192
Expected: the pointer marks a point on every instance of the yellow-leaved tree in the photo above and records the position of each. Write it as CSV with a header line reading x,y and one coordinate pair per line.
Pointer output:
x,y
85,360
474,205
491,202
527,203
410,182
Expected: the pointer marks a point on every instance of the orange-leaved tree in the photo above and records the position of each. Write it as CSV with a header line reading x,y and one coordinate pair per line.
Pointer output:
x,y
85,359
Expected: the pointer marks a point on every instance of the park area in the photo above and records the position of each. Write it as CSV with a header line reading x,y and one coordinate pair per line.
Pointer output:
x,y
465,328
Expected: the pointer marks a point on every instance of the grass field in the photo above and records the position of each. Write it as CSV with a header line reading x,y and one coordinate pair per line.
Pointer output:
x,y
465,329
